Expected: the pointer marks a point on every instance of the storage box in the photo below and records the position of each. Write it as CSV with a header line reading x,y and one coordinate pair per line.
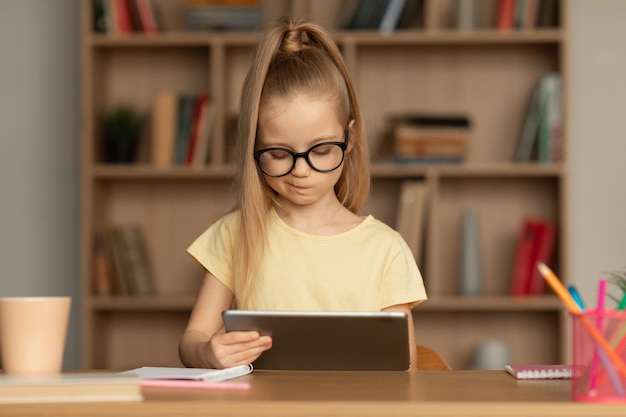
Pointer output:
x,y
597,376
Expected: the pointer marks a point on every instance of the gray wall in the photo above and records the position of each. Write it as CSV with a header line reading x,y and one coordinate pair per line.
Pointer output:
x,y
39,146
597,209
39,176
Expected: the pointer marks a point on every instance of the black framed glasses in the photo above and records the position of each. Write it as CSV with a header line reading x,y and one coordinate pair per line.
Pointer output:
x,y
323,157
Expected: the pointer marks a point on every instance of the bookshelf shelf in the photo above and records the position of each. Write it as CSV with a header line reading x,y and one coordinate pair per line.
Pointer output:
x,y
390,170
493,304
485,73
142,304
148,172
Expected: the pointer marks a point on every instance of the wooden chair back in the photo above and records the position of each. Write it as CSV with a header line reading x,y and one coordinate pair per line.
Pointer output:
x,y
429,360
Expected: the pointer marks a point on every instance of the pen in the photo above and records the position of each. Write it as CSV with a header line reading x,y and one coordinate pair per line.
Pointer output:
x,y
571,305
576,296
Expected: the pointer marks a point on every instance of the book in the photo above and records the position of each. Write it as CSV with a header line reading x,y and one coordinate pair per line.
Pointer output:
x,y
146,16
135,253
536,243
102,272
185,111
199,109
164,122
541,371
392,16
505,14
205,129
368,14
190,374
522,263
543,249
530,14
411,215
117,264
430,136
550,130
347,11
412,15
530,129
69,387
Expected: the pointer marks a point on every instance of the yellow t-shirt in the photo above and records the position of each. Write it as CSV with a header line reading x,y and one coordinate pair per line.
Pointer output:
x,y
367,268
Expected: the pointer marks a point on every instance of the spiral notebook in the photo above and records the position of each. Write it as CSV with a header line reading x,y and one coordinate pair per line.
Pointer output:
x,y
540,371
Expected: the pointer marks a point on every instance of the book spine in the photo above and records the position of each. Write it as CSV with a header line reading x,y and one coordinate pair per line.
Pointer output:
x,y
186,104
523,258
504,18
530,129
164,121
543,251
392,16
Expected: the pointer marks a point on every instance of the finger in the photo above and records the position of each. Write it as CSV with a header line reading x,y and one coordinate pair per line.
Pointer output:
x,y
246,357
233,338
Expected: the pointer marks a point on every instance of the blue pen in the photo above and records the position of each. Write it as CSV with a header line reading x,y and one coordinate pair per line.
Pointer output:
x,y
576,296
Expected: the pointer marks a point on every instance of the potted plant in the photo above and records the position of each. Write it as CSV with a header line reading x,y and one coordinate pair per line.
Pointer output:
x,y
618,278
121,127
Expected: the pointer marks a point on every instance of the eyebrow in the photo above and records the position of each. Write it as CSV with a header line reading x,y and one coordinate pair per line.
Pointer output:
x,y
309,144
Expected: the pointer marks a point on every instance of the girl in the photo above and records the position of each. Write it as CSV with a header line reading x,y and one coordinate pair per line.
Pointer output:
x,y
295,240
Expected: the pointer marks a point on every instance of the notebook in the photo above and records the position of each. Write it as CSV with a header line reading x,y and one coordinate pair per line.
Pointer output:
x,y
69,387
337,341
540,371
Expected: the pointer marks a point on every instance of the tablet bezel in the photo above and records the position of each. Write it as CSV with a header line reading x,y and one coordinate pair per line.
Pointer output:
x,y
327,340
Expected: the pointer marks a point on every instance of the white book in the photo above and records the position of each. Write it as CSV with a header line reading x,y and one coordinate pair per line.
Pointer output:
x,y
195,374
411,215
392,15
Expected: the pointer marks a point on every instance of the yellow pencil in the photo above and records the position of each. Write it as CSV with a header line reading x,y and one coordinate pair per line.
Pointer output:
x,y
571,305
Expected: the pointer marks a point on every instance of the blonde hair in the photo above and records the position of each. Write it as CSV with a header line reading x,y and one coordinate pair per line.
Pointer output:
x,y
290,58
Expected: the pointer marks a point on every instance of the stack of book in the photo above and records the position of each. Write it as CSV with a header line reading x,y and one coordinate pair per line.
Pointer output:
x,y
223,14
542,133
181,129
121,17
431,138
385,16
122,265
526,14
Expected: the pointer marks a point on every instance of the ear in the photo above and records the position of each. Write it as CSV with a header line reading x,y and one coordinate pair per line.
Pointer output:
x,y
351,133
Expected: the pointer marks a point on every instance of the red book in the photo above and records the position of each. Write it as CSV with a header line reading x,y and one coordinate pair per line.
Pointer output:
x,y
124,19
523,262
505,16
542,252
146,15
201,104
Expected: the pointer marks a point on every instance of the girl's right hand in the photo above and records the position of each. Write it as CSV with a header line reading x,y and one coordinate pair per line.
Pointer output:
x,y
227,349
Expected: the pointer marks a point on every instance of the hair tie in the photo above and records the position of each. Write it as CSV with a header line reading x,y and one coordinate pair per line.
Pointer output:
x,y
292,41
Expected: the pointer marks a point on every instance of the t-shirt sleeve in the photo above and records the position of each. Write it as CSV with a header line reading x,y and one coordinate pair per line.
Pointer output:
x,y
403,283
213,249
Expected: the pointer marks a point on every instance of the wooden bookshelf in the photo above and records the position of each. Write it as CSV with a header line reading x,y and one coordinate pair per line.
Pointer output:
x,y
485,73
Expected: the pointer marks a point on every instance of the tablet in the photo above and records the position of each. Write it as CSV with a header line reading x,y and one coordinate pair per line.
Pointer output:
x,y
329,341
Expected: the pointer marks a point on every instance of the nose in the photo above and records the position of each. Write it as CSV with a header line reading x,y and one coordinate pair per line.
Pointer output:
x,y
301,168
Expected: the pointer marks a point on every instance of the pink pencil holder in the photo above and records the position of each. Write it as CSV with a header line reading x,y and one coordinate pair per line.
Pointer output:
x,y
596,377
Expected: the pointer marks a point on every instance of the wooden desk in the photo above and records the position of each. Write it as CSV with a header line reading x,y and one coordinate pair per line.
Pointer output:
x,y
424,393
